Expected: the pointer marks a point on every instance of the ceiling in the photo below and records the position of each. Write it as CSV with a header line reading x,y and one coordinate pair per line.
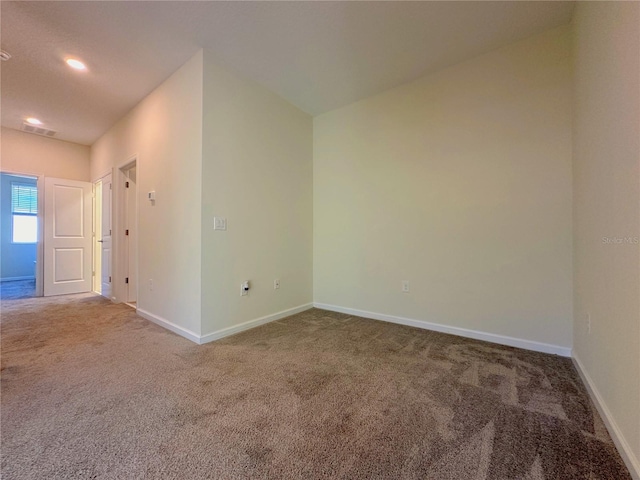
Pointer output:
x,y
317,55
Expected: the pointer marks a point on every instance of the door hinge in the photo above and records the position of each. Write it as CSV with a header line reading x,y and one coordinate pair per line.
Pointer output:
x,y
109,186
109,279
126,280
126,232
93,274
126,184
109,232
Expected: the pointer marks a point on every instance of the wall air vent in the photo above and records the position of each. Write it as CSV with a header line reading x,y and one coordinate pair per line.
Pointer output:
x,y
45,132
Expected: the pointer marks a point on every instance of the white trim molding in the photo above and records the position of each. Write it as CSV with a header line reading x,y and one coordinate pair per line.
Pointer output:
x,y
13,279
625,450
461,332
183,332
225,332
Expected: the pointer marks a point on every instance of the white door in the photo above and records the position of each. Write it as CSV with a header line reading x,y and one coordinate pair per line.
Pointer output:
x,y
105,241
67,236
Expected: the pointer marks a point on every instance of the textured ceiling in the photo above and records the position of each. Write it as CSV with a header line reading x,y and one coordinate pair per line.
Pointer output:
x,y
318,55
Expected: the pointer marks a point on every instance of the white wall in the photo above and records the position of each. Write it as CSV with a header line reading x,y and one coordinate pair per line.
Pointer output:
x,y
16,259
460,183
165,132
606,168
257,172
35,155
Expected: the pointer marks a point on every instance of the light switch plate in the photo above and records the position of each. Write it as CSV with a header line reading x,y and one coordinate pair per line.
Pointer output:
x,y
219,223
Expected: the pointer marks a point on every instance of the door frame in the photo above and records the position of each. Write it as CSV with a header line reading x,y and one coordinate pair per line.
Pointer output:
x,y
39,270
119,264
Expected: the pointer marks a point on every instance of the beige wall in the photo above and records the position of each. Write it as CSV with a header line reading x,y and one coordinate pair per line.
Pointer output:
x,y
257,173
28,153
165,132
461,184
606,168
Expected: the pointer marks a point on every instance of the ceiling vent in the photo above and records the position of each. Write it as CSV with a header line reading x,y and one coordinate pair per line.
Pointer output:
x,y
45,132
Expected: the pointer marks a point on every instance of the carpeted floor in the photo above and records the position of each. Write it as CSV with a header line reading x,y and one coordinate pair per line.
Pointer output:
x,y
14,289
90,390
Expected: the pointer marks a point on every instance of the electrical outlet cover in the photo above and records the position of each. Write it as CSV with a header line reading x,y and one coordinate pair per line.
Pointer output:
x,y
219,223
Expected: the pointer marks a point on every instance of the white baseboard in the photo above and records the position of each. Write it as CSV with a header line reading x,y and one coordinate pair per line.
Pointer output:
x,y
13,279
225,332
194,337
462,332
630,460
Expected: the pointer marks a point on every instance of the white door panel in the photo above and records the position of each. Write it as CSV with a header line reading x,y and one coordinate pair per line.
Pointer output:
x,y
67,236
68,265
68,207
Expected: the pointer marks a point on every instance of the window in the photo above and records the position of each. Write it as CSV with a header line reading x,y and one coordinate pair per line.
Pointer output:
x,y
24,213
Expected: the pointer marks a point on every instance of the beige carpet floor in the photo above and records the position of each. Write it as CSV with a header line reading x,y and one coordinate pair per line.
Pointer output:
x,y
90,390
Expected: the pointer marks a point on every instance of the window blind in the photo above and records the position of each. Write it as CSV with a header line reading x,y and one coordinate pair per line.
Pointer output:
x,y
24,199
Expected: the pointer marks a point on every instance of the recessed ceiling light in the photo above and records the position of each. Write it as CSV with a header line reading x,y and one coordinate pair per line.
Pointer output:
x,y
77,64
34,121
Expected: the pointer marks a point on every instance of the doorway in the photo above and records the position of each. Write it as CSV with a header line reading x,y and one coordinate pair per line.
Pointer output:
x,y
20,236
115,230
129,251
